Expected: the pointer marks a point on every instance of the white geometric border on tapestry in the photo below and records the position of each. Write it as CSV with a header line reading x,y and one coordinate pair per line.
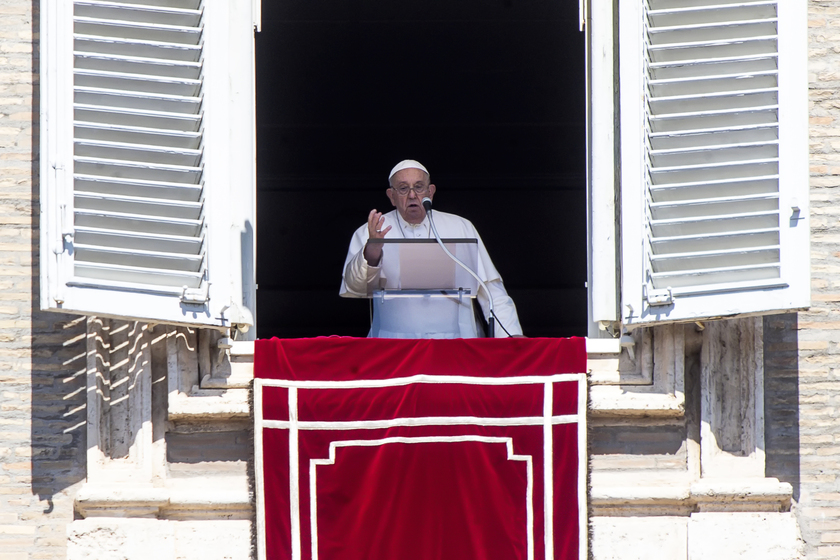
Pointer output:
x,y
547,420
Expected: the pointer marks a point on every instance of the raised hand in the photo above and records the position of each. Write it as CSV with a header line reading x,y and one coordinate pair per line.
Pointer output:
x,y
373,251
375,222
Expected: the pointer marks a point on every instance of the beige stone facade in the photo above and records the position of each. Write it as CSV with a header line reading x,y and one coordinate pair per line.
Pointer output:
x,y
42,384
656,439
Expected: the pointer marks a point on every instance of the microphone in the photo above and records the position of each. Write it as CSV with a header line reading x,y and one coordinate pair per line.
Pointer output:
x,y
427,203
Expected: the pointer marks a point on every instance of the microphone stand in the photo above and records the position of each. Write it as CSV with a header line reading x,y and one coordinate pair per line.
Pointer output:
x,y
491,327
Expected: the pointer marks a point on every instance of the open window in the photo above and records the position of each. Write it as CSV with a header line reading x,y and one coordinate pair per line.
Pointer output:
x,y
489,94
697,157
147,160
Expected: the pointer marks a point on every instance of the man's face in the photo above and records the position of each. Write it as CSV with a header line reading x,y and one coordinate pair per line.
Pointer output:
x,y
409,205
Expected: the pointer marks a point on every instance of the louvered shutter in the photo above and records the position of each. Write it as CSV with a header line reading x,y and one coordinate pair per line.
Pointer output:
x,y
714,180
134,211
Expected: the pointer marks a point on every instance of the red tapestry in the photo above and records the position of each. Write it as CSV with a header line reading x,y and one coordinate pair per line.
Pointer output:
x,y
377,449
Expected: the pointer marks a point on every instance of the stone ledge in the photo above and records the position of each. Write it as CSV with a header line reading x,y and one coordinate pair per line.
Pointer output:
x,y
240,377
698,536
746,495
204,502
766,494
634,495
205,404
605,400
112,538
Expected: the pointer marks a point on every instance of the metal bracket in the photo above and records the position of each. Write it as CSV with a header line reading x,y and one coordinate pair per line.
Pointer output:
x,y
657,297
610,327
196,296
628,343
223,345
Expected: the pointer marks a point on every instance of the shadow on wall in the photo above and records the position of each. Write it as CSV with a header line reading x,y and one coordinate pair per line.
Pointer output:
x,y
57,360
781,398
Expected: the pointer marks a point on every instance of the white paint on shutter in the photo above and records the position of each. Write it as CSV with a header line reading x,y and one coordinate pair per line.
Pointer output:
x,y
138,149
148,159
707,183
601,113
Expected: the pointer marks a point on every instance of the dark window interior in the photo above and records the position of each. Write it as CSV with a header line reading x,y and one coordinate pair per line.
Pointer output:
x,y
488,94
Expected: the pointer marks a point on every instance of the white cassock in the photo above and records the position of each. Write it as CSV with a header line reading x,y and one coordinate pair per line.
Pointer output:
x,y
425,317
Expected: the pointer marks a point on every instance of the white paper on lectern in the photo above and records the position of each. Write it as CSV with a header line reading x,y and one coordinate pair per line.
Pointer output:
x,y
420,264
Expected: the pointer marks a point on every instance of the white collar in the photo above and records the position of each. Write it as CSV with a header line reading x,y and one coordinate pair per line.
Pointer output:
x,y
403,224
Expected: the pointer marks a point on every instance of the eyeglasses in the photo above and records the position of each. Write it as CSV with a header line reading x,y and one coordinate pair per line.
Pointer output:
x,y
419,190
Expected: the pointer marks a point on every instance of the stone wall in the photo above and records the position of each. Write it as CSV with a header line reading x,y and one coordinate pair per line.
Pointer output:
x,y
42,355
803,351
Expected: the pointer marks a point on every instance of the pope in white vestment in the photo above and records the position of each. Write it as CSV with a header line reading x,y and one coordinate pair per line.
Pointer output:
x,y
423,317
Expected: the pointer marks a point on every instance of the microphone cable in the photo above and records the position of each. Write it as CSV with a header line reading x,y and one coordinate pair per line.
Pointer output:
x,y
427,204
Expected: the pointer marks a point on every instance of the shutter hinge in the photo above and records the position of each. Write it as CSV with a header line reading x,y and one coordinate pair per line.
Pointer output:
x,y
196,296
240,318
657,297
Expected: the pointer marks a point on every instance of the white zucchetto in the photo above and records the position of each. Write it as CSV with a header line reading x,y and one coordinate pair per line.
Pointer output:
x,y
407,164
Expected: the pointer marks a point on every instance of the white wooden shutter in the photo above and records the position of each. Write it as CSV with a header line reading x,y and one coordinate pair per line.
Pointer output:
x,y
714,181
136,220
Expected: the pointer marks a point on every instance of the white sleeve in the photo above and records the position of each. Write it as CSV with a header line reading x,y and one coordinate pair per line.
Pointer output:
x,y
504,308
359,277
